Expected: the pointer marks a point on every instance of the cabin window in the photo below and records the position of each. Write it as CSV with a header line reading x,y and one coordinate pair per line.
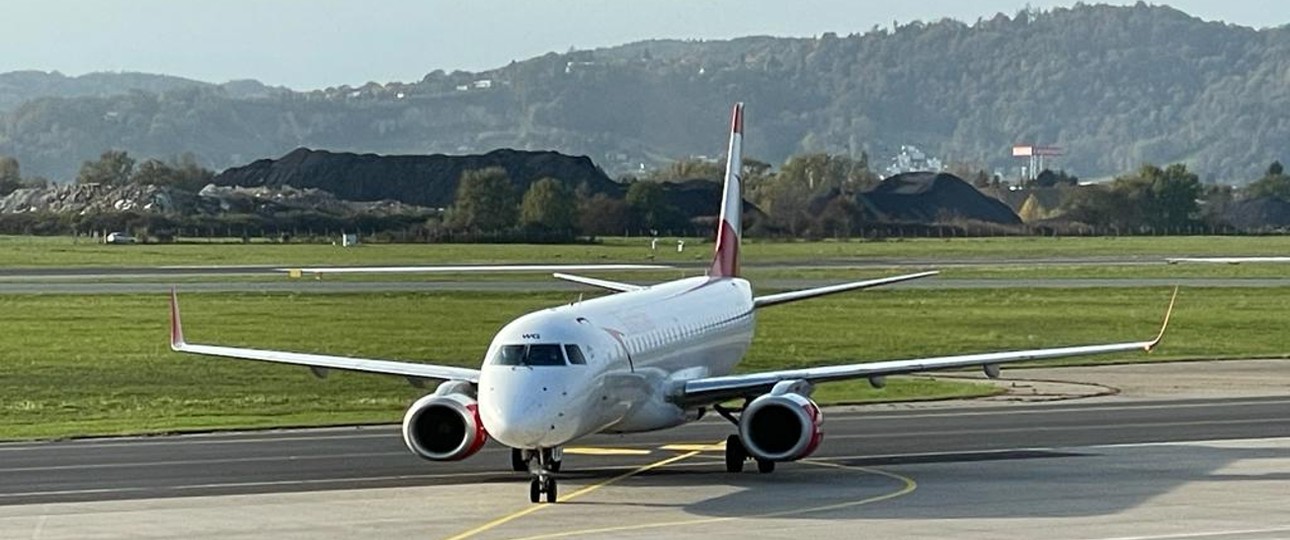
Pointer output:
x,y
575,355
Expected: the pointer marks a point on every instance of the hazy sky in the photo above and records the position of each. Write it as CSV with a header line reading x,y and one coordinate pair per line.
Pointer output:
x,y
309,44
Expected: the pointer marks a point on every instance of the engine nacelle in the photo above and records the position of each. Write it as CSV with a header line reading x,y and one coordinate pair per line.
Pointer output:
x,y
782,426
445,425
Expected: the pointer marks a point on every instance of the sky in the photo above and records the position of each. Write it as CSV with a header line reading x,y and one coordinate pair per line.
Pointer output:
x,y
308,44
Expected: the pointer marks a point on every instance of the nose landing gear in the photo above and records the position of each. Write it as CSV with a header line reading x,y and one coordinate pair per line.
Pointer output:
x,y
543,480
520,459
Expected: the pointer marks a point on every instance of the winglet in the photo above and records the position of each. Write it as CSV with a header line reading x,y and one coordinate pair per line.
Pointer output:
x,y
1164,325
176,326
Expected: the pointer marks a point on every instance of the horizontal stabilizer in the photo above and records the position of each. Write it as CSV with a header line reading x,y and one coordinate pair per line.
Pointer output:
x,y
466,269
793,296
599,283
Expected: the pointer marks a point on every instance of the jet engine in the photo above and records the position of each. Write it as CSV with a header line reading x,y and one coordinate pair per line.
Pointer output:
x,y
783,425
445,425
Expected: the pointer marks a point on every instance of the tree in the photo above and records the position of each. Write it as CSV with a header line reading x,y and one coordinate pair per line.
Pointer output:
x,y
1172,196
152,172
838,218
183,173
485,200
1151,199
1274,184
818,173
1048,178
10,175
603,215
113,168
1098,205
549,204
689,169
649,205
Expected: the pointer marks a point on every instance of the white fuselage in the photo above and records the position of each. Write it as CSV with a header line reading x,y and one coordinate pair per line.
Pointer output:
x,y
639,346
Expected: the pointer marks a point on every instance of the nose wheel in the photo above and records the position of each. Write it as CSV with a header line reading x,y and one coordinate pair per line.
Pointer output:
x,y
539,486
543,480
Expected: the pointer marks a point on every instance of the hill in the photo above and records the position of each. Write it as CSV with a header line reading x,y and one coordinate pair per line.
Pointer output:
x,y
1114,86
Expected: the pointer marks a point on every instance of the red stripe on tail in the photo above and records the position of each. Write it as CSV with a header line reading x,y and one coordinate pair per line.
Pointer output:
x,y
726,261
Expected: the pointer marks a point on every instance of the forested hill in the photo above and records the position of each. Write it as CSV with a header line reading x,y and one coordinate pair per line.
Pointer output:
x,y
18,87
1114,86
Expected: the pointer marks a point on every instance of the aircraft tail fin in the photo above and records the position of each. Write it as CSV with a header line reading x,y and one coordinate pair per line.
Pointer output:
x,y
725,262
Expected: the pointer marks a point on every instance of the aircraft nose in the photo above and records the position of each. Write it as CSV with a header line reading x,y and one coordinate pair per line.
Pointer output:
x,y
521,411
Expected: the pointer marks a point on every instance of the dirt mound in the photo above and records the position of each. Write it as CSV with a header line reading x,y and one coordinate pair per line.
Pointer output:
x,y
96,198
925,197
419,180
84,199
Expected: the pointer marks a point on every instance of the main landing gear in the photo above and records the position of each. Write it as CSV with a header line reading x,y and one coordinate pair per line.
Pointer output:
x,y
543,479
736,453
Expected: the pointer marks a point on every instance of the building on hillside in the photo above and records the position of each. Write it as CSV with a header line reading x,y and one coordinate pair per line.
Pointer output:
x,y
911,159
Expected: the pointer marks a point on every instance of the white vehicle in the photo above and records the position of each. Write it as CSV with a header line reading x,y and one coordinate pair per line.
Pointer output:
x,y
119,238
646,358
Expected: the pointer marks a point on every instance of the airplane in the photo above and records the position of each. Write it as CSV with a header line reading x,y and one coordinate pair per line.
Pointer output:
x,y
644,358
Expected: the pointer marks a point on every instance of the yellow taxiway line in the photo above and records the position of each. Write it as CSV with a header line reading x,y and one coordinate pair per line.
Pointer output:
x,y
536,507
598,451
908,485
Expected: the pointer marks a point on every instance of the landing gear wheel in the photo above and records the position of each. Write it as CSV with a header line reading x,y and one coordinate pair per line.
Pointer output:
x,y
550,489
535,490
518,461
554,466
765,466
735,454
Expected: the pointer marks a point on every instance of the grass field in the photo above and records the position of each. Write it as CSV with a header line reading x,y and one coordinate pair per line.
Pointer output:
x,y
99,364
26,251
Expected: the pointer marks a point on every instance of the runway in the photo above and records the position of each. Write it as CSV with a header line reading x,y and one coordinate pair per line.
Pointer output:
x,y
271,278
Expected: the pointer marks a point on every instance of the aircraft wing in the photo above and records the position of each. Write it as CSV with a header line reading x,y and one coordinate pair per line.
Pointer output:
x,y
716,389
793,296
600,283
468,268
318,363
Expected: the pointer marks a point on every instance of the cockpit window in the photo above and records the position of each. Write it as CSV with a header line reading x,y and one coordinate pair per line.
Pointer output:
x,y
510,355
575,355
543,354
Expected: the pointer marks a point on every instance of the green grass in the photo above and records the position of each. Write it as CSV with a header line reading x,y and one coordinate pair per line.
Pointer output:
x,y
901,389
26,251
99,364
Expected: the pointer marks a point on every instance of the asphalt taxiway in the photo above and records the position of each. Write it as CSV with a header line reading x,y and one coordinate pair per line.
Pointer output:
x,y
983,472
273,278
